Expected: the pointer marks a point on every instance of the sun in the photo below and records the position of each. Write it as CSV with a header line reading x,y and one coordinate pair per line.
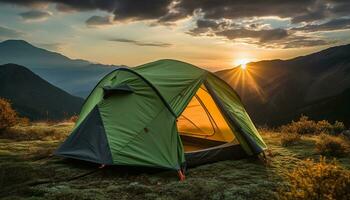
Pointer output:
x,y
242,62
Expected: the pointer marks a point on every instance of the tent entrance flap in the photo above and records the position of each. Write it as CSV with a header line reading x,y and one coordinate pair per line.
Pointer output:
x,y
201,125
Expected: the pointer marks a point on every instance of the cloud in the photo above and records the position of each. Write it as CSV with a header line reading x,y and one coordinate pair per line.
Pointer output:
x,y
261,35
233,20
140,43
257,34
336,24
35,15
96,21
233,31
293,41
307,42
122,9
317,11
6,33
65,8
173,10
51,46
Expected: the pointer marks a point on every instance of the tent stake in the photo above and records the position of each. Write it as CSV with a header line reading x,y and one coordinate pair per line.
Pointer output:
x,y
182,177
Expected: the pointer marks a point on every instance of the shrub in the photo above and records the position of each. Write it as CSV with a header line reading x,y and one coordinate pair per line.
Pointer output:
x,y
324,126
73,118
303,126
330,145
306,126
317,180
338,127
288,139
8,116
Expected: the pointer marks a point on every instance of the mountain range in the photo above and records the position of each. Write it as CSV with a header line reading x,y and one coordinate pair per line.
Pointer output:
x,y
273,91
35,98
77,77
277,91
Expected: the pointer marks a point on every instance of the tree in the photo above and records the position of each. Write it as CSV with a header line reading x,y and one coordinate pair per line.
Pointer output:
x,y
8,116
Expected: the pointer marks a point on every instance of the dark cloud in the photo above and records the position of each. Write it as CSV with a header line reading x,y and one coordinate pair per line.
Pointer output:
x,y
217,23
217,9
27,3
65,8
317,11
261,35
35,15
95,21
220,17
140,43
209,27
306,42
297,10
122,9
336,24
234,31
172,10
293,41
268,38
6,33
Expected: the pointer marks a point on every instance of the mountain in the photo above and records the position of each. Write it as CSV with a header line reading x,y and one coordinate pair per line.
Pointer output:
x,y
334,108
73,76
276,91
33,97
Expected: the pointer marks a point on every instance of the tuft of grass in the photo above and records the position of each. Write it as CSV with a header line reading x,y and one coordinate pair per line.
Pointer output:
x,y
331,145
317,180
289,139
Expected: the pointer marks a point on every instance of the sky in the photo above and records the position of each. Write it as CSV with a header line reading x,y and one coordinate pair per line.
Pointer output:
x,y
214,34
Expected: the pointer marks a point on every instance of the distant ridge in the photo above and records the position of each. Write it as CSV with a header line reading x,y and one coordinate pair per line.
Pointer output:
x,y
282,89
35,98
73,76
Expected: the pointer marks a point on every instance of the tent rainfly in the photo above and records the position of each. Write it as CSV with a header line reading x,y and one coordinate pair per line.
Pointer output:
x,y
165,114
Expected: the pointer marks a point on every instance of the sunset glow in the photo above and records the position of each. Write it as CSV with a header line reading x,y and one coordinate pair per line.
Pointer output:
x,y
242,63
129,34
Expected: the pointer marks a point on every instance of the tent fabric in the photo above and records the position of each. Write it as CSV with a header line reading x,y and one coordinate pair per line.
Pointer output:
x,y
135,115
246,132
138,140
88,142
176,81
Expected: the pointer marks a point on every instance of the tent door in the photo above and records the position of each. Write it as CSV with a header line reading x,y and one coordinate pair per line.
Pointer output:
x,y
201,125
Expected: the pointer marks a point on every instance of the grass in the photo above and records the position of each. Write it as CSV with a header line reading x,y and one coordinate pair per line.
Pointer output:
x,y
24,163
289,139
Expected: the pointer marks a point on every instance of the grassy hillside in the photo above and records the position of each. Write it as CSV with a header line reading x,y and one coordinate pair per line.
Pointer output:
x,y
334,108
28,172
33,97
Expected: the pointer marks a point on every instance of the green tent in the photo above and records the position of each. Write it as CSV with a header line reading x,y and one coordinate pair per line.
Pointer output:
x,y
165,114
